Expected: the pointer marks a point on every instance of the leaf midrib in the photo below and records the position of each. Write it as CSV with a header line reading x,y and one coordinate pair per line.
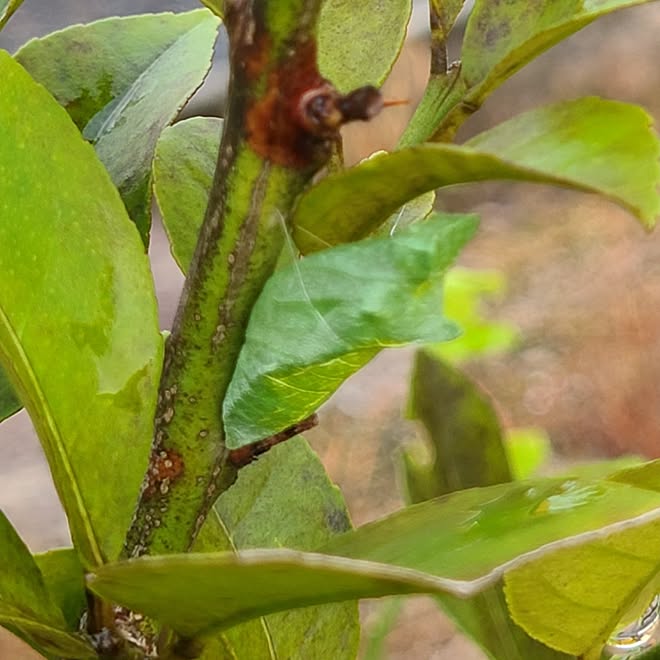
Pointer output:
x,y
45,419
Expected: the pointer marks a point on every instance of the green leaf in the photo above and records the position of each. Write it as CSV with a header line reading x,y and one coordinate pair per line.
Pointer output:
x,y
462,428
441,94
461,544
264,509
25,604
413,211
123,80
321,319
615,155
467,450
465,291
216,6
182,173
9,403
7,8
527,449
79,333
359,41
183,170
573,599
500,38
486,620
590,144
63,576
646,475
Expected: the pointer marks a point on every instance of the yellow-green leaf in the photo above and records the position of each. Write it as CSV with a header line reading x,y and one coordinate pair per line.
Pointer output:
x,y
592,145
321,319
123,80
460,544
79,335
358,42
26,607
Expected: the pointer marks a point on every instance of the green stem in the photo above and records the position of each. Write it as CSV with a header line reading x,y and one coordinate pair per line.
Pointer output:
x,y
282,121
440,28
445,88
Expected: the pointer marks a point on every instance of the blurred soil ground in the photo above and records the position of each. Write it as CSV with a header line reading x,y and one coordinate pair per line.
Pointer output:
x,y
584,287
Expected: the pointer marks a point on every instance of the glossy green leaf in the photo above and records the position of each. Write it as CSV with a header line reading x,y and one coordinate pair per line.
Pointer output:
x,y
123,80
63,576
590,144
182,173
500,38
87,365
465,292
264,509
462,428
573,599
7,8
359,42
321,319
461,543
9,403
25,604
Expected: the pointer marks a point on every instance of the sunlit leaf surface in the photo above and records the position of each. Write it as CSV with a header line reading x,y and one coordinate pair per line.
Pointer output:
x,y
460,544
359,41
321,319
573,600
79,338
593,145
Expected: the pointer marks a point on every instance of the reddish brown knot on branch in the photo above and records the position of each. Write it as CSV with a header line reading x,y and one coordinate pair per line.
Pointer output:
x,y
323,111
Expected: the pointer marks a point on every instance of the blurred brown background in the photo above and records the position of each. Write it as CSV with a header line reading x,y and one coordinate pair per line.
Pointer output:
x,y
584,287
